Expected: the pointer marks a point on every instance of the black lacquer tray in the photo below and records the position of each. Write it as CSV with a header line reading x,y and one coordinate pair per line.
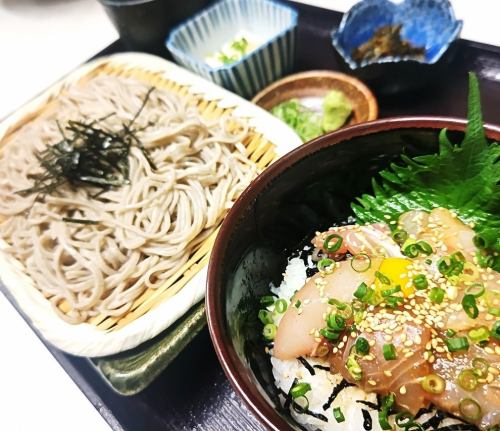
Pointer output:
x,y
193,392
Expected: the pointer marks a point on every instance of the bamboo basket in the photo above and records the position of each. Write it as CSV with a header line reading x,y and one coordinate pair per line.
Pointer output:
x,y
103,335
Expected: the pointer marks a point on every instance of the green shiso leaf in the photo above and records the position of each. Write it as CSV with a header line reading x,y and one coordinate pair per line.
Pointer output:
x,y
464,178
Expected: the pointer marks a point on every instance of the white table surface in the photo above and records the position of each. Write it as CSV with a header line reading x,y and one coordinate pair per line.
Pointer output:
x,y
41,40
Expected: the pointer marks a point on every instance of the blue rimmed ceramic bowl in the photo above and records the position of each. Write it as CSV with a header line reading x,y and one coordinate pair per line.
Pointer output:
x,y
427,23
274,24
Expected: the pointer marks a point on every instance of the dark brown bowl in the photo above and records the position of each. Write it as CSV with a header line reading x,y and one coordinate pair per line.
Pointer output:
x,y
306,190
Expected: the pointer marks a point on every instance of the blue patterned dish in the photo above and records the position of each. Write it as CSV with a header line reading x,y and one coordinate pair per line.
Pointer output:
x,y
205,33
428,23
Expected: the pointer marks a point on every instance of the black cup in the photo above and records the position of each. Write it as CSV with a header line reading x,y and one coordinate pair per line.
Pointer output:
x,y
143,25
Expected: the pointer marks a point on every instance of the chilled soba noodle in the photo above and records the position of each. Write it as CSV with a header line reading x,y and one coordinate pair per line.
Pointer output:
x,y
138,234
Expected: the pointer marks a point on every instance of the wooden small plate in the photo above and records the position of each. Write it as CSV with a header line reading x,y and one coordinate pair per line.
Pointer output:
x,y
317,84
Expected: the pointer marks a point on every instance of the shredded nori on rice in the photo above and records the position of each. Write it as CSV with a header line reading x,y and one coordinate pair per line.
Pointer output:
x,y
367,420
336,390
307,365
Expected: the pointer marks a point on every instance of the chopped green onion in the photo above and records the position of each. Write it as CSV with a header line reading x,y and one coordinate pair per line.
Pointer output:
x,y
467,380
300,389
476,290
470,307
433,384
389,352
394,301
436,295
457,343
280,306
494,311
383,278
399,236
389,292
484,260
338,415
479,335
411,250
404,420
383,419
361,291
445,265
269,331
353,367
420,282
335,322
265,317
344,310
301,409
329,334
450,333
335,246
469,409
362,346
480,367
428,261
325,265
458,256
361,262
425,247
298,303
495,331
267,300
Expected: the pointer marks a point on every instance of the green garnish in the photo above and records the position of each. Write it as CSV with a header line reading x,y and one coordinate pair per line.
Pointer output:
x,y
387,403
332,243
267,300
298,303
310,124
470,307
326,265
361,291
433,384
362,346
456,344
467,380
450,333
469,409
338,415
436,295
495,331
399,236
329,334
335,322
280,306
479,335
461,177
300,389
389,352
353,366
265,316
383,278
420,282
480,367
476,290
269,331
361,262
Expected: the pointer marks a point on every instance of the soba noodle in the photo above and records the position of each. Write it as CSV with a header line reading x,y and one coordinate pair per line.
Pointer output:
x,y
146,230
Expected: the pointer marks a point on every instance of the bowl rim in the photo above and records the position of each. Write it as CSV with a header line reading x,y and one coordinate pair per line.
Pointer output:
x,y
186,56
358,84
457,25
234,369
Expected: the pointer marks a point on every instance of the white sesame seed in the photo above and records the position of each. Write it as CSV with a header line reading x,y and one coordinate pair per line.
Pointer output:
x,y
402,390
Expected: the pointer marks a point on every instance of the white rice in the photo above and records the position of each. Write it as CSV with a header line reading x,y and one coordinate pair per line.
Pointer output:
x,y
323,382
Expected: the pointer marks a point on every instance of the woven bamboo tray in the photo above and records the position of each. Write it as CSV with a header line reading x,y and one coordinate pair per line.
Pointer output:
x,y
155,309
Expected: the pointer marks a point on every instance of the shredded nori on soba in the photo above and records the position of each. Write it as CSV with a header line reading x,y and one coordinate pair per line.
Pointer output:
x,y
88,155
424,411
336,390
307,365
79,220
367,420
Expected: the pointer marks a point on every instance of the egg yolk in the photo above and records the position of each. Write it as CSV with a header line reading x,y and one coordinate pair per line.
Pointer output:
x,y
396,269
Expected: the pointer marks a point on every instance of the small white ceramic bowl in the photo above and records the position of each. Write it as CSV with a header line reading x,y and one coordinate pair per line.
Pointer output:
x,y
273,24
